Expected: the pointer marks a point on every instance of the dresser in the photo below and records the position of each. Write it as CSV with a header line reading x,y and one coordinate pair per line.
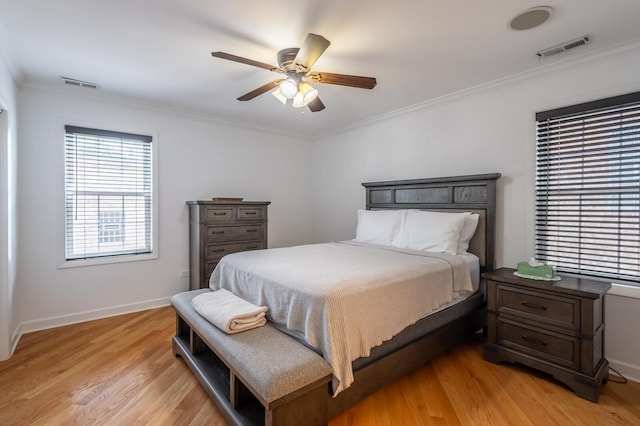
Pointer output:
x,y
220,228
553,326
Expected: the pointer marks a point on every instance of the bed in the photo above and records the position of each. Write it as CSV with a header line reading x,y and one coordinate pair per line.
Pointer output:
x,y
368,361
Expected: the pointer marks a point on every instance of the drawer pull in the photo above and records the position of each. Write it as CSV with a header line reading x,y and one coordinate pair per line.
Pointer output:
x,y
220,250
534,340
534,305
218,232
219,213
252,230
251,213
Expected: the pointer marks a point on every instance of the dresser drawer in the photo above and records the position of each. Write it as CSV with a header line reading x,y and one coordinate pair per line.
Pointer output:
x,y
215,214
251,213
557,348
551,309
215,252
237,233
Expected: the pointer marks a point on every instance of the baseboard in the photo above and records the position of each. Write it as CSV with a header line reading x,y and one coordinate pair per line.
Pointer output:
x,y
629,371
62,320
7,352
17,334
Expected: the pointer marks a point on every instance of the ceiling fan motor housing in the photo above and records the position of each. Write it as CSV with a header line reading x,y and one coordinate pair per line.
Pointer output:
x,y
286,58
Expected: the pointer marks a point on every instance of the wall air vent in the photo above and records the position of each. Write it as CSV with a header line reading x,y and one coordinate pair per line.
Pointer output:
x,y
563,47
79,83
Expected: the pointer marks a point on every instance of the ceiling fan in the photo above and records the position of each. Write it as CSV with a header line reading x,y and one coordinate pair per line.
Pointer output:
x,y
295,63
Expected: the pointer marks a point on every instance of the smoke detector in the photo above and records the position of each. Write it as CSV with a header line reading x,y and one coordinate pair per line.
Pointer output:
x,y
530,18
563,47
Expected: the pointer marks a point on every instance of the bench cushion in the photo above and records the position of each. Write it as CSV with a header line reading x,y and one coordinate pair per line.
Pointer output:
x,y
267,360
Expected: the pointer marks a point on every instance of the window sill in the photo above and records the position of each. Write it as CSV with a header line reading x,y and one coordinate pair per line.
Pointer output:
x,y
622,290
107,260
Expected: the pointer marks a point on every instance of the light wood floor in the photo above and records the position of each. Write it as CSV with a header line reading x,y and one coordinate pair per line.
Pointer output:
x,y
121,371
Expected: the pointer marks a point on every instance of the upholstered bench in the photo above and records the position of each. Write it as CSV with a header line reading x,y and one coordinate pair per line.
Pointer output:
x,y
260,376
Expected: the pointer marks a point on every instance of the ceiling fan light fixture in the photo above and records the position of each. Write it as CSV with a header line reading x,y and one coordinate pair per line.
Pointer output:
x,y
306,94
289,87
279,96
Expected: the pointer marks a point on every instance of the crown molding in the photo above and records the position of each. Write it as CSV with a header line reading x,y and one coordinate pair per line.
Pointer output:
x,y
80,92
558,64
8,57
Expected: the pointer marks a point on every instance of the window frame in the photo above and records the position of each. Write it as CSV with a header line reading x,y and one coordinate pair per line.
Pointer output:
x,y
63,262
591,109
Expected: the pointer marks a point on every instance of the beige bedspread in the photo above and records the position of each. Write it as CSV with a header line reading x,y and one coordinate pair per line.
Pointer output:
x,y
346,297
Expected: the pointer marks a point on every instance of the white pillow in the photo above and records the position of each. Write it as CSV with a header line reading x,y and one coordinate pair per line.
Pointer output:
x,y
431,231
379,226
468,229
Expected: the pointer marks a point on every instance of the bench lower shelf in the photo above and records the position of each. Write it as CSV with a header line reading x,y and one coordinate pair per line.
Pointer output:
x,y
210,373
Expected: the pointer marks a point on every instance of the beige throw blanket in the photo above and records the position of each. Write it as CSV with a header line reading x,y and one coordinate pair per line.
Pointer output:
x,y
344,298
228,312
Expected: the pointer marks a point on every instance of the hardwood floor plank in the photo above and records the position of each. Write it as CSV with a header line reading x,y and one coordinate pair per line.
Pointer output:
x,y
121,371
439,410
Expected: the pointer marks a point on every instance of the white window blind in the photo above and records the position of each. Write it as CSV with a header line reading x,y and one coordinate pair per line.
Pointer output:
x,y
588,188
108,193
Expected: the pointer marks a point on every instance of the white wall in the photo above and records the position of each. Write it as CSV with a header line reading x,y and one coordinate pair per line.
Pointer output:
x,y
198,159
489,129
8,216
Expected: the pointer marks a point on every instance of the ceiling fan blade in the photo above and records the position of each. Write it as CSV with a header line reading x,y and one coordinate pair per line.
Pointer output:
x,y
260,90
313,46
343,80
230,57
316,105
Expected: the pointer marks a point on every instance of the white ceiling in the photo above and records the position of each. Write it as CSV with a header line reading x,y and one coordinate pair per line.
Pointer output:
x,y
158,51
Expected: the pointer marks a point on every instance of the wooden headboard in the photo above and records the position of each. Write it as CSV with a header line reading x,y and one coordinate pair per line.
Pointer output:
x,y
472,193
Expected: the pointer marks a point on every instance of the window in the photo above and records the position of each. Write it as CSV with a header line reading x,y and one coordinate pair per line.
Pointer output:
x,y
108,193
588,188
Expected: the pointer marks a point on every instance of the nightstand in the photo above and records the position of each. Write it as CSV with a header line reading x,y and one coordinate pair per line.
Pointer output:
x,y
553,326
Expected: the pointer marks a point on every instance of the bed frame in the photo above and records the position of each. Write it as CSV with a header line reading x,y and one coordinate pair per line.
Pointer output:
x,y
476,193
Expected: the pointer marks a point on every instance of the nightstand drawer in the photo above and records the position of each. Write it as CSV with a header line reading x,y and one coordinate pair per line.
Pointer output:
x,y
556,348
538,306
227,233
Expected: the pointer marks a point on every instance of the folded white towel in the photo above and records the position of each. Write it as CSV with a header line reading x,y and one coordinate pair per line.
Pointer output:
x,y
229,312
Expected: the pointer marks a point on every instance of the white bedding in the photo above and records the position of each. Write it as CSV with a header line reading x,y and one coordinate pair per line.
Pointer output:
x,y
344,298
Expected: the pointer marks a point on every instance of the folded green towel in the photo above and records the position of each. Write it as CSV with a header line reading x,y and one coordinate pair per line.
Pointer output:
x,y
543,271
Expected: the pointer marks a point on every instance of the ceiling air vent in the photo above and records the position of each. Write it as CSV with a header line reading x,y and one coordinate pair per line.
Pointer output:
x,y
79,83
561,48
